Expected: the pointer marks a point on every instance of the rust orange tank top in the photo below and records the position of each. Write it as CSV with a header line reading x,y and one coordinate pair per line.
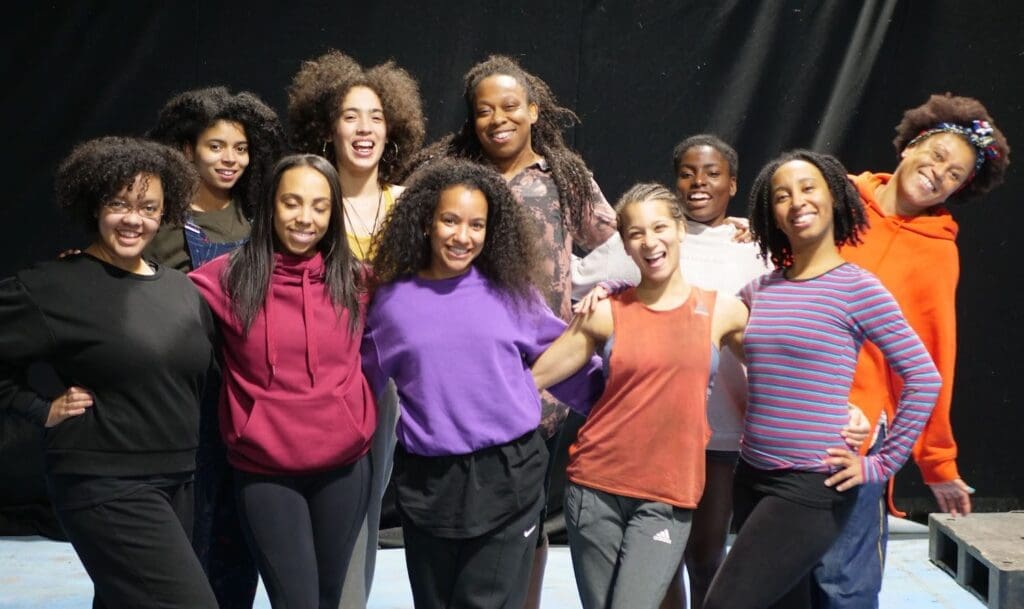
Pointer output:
x,y
645,437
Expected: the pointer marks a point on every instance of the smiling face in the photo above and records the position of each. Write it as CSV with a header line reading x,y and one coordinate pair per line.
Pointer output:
x,y
220,155
503,118
651,237
705,185
802,204
128,221
932,170
360,131
302,210
457,232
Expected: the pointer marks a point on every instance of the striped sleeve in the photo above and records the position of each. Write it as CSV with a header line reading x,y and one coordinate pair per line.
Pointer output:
x,y
746,293
879,319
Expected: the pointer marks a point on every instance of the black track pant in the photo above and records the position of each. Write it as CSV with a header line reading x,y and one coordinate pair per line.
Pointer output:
x,y
137,552
491,571
302,529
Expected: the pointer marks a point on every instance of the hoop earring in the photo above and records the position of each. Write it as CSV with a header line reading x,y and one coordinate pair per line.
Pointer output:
x,y
394,155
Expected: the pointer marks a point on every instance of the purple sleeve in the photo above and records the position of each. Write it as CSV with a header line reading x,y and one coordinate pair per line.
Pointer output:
x,y
746,293
373,366
615,286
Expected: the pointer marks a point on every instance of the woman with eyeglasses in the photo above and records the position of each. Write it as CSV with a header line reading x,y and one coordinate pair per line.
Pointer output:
x,y
132,343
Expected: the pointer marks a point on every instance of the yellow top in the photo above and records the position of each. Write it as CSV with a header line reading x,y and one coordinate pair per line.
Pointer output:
x,y
360,246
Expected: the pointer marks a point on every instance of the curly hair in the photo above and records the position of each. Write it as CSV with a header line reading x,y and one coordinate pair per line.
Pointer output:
x,y
247,277
706,139
314,104
570,173
508,257
848,219
949,108
648,191
98,169
185,116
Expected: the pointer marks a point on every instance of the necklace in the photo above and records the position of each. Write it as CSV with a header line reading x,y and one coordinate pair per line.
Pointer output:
x,y
369,230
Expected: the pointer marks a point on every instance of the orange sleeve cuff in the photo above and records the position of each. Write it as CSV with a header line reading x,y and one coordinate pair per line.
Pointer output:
x,y
942,471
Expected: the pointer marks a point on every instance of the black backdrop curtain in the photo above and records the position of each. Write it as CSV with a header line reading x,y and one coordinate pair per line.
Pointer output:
x,y
766,76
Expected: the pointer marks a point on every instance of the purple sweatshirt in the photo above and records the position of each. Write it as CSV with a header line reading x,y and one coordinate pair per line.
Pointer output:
x,y
460,351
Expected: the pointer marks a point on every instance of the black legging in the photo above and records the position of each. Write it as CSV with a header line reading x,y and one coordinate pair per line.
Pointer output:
x,y
302,530
778,542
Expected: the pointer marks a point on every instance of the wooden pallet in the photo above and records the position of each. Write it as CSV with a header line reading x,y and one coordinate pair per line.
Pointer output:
x,y
984,553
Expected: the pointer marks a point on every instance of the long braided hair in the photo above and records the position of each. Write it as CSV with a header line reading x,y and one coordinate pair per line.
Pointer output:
x,y
569,172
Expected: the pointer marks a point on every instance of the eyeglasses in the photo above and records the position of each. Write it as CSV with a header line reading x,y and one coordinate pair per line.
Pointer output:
x,y
149,211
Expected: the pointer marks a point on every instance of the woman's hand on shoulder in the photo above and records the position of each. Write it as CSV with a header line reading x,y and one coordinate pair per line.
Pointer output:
x,y
598,322
588,304
72,403
742,226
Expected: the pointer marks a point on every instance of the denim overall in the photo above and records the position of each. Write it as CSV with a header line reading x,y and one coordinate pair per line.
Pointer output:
x,y
200,249
217,537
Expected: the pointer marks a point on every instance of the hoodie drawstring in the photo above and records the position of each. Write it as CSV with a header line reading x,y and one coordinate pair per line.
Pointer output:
x,y
312,356
268,307
284,278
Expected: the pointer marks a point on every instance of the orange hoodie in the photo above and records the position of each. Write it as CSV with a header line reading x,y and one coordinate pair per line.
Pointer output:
x,y
917,260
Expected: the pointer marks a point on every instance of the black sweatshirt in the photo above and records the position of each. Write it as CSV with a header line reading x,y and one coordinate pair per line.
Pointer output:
x,y
142,344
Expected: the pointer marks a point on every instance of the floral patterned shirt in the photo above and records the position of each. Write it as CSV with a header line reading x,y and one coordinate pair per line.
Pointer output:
x,y
535,188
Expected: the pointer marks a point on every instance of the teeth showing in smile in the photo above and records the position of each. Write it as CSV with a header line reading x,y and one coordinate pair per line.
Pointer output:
x,y
363,148
458,252
699,196
928,184
124,234
501,136
803,219
302,236
655,260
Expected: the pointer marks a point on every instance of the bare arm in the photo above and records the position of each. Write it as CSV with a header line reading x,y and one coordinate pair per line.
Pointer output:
x,y
573,349
729,324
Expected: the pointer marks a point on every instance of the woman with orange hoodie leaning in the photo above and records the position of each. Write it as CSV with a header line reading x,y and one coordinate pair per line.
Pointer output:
x,y
949,150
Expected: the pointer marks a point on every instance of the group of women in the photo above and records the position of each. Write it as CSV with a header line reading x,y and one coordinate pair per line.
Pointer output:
x,y
363,298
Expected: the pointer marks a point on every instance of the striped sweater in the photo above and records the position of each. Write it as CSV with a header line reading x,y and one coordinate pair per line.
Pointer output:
x,y
801,345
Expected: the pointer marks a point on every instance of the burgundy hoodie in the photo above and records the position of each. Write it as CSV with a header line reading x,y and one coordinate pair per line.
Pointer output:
x,y
294,399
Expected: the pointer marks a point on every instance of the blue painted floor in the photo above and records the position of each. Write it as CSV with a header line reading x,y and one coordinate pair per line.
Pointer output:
x,y
40,574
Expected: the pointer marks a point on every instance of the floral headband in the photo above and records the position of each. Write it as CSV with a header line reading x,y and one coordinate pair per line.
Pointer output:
x,y
978,133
